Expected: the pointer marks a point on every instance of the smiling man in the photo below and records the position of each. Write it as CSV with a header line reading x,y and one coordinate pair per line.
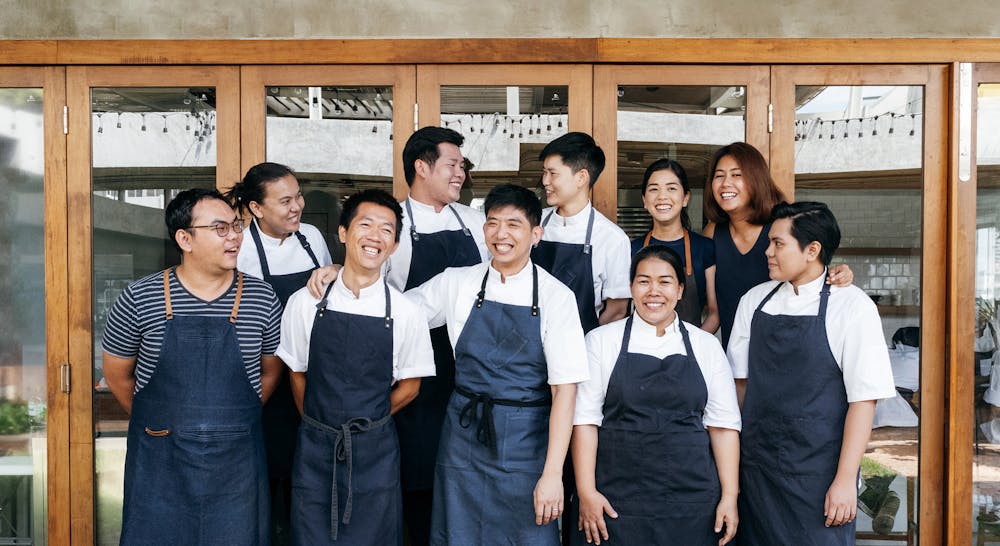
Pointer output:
x,y
813,362
519,354
188,352
356,357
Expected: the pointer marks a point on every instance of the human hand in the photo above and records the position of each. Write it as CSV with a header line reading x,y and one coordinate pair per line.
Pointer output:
x,y
841,505
840,275
548,499
320,278
593,507
726,514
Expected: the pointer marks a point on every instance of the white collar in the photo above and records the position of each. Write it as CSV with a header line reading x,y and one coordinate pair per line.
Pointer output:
x,y
267,239
424,207
494,274
811,288
373,290
581,217
640,326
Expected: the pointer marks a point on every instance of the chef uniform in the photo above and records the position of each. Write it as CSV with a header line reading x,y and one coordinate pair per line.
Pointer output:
x,y
514,339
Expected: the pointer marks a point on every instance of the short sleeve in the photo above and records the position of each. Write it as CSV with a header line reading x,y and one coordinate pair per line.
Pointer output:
x,y
562,338
590,393
432,298
416,356
121,334
739,340
722,409
296,329
619,260
272,328
865,357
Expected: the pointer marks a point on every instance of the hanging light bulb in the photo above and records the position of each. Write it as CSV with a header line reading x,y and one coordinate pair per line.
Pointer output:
x,y
875,126
143,123
118,121
100,124
820,130
847,125
892,121
913,124
164,124
374,128
548,124
187,122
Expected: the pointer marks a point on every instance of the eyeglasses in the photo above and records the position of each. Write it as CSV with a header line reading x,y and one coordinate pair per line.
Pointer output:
x,y
222,228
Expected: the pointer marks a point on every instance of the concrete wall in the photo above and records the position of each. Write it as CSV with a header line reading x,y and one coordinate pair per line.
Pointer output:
x,y
191,19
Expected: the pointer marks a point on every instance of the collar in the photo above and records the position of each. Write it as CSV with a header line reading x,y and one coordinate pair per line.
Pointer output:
x,y
341,290
525,272
581,217
811,288
640,326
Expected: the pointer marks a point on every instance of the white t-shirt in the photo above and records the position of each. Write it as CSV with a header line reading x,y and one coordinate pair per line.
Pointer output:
x,y
853,328
283,256
604,344
449,297
610,254
429,221
412,355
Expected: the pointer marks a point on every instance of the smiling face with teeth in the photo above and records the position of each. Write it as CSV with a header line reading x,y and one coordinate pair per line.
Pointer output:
x,y
731,192
440,183
510,237
655,291
370,238
665,197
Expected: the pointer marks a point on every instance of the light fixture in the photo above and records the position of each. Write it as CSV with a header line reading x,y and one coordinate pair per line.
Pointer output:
x,y
118,121
164,124
621,92
875,126
913,124
187,122
555,97
100,124
144,122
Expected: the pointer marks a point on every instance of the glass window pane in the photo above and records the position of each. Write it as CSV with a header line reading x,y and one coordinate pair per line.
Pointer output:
x,y
860,151
505,128
685,123
338,140
23,507
148,145
986,461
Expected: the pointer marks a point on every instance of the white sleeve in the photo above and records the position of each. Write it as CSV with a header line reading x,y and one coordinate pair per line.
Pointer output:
x,y
562,339
433,298
296,329
739,339
323,254
619,256
415,356
590,393
722,409
865,357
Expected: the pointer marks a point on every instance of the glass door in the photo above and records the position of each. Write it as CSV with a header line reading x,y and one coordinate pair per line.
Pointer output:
x,y
507,114
869,141
341,129
683,113
34,464
137,137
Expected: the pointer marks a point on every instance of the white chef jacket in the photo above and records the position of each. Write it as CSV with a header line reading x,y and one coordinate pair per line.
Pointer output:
x,y
284,256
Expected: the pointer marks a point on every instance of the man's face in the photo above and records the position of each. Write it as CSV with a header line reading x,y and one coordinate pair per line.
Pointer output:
x,y
786,260
370,238
509,237
203,245
441,182
560,183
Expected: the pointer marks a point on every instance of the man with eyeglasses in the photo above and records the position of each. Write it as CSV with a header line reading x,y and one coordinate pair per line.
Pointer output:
x,y
189,353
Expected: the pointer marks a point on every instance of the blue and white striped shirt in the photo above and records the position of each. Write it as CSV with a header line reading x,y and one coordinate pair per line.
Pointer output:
x,y
138,318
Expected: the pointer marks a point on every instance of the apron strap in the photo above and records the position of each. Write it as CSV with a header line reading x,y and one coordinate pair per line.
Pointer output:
x,y
307,247
760,307
545,221
343,448
824,297
688,268
236,301
684,335
321,306
626,337
261,256
166,293
414,236
486,431
388,304
590,231
465,230
481,296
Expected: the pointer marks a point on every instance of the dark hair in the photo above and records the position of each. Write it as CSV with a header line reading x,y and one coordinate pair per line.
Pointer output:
x,y
253,187
423,144
811,221
180,208
518,197
578,151
660,252
378,197
665,164
764,194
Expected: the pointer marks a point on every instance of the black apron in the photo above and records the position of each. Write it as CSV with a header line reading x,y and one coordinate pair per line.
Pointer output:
x,y
195,469
654,459
572,265
688,307
281,416
793,425
496,432
345,483
419,423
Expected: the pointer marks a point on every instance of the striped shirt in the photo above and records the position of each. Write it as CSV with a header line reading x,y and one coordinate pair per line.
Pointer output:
x,y
138,318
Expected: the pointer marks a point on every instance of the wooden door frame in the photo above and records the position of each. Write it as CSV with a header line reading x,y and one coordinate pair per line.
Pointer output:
x,y
607,78
52,81
402,78
79,81
577,77
937,510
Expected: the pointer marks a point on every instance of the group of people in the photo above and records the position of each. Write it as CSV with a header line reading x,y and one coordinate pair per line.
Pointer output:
x,y
479,377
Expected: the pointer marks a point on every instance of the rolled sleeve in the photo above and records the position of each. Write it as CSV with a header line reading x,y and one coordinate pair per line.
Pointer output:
x,y
722,409
416,357
590,393
296,328
562,340
738,351
618,285
865,357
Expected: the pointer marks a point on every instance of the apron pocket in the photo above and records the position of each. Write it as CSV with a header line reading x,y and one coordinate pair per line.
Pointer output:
x,y
811,445
219,461
523,439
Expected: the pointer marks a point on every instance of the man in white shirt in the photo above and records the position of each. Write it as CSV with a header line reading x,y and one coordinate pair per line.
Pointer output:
x,y
356,357
812,363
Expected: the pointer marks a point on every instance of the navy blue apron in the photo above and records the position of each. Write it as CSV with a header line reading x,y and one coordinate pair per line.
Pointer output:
x,y
345,482
195,470
496,432
688,307
793,426
572,265
281,416
654,459
419,422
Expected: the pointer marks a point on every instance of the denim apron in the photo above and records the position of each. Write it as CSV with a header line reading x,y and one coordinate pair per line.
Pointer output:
x,y
793,426
348,453
496,432
195,470
571,264
654,459
281,417
688,307
419,423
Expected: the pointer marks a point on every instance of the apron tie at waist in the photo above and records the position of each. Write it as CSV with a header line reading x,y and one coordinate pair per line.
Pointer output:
x,y
486,430
344,452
